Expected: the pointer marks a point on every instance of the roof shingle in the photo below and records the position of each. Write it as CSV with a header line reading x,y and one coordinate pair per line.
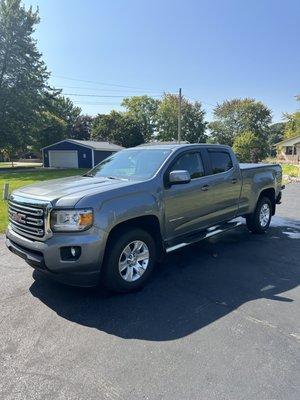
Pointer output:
x,y
105,146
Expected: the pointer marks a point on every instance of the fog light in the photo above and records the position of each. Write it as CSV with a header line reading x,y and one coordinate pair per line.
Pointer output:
x,y
71,253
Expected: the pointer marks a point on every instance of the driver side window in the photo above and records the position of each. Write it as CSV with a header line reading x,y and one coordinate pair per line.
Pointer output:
x,y
190,162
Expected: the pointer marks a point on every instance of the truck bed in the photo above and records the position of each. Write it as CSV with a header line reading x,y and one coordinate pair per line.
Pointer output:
x,y
244,166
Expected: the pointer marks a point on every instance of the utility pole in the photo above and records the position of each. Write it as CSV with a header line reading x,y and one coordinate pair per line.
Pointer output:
x,y
179,116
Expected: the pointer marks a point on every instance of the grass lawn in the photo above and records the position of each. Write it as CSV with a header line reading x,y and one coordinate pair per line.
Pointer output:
x,y
290,170
21,178
18,165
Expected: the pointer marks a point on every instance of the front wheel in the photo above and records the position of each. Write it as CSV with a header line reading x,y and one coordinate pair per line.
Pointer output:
x,y
259,221
129,261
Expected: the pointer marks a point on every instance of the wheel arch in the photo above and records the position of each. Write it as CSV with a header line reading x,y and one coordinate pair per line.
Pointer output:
x,y
149,223
270,194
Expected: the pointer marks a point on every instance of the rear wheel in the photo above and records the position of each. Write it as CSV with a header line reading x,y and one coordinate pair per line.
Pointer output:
x,y
129,261
259,221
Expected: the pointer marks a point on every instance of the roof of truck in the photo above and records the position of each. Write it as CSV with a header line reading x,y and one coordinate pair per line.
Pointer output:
x,y
173,146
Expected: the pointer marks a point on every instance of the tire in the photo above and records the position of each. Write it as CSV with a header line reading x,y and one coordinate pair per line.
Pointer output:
x,y
259,221
122,271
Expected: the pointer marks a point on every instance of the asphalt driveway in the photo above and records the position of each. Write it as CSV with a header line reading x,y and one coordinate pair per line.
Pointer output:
x,y
219,320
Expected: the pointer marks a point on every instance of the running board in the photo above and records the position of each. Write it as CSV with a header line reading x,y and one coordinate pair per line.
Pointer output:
x,y
214,230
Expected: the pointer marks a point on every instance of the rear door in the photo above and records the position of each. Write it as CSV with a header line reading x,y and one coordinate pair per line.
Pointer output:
x,y
224,185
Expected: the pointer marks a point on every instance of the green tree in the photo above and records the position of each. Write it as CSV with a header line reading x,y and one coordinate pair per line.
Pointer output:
x,y
192,124
23,75
64,109
50,129
117,128
249,147
292,123
143,110
236,116
292,127
82,128
65,116
276,134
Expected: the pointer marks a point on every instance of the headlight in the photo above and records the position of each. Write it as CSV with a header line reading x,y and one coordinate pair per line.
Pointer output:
x,y
71,220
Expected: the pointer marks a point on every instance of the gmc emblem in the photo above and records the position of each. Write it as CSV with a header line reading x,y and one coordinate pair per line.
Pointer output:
x,y
18,217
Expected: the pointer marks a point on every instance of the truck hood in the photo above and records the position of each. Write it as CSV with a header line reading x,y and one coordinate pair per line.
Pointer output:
x,y
68,191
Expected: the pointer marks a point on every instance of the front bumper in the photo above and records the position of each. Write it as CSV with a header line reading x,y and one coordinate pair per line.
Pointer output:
x,y
278,198
46,256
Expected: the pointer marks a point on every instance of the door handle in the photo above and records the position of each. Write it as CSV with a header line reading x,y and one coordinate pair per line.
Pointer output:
x,y
234,180
205,188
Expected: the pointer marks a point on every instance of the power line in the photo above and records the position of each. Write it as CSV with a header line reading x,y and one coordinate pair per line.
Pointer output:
x,y
99,95
122,96
113,90
202,102
62,87
99,83
117,85
96,103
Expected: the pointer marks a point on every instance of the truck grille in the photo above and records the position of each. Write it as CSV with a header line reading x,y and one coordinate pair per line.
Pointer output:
x,y
27,220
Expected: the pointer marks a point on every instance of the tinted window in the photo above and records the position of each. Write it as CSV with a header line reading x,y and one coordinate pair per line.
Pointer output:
x,y
190,162
220,161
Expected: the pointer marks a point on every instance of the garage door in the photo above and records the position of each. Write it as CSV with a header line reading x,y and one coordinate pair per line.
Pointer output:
x,y
63,158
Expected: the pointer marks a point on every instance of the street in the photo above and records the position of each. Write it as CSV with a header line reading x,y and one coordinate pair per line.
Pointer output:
x,y
219,320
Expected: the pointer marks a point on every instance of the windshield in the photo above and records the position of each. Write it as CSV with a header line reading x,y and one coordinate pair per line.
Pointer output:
x,y
131,164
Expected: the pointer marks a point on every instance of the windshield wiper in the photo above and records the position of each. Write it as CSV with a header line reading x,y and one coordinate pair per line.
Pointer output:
x,y
117,178
107,177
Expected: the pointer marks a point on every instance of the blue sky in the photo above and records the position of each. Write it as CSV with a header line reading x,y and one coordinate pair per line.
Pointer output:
x,y
213,49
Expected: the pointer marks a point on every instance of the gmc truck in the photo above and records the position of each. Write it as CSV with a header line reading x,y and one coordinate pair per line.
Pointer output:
x,y
114,223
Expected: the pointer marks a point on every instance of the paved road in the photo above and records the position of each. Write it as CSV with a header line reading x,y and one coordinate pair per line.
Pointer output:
x,y
219,320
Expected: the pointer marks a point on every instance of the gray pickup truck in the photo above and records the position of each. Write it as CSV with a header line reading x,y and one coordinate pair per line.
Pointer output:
x,y
114,223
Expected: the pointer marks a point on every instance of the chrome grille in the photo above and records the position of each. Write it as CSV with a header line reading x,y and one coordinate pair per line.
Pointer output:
x,y
27,220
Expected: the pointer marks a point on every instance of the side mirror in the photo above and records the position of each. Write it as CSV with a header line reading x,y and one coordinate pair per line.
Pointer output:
x,y
179,177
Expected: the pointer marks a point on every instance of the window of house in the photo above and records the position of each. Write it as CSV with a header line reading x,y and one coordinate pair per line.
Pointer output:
x,y
190,162
220,161
290,150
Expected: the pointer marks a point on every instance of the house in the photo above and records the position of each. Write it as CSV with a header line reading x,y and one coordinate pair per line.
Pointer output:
x,y
289,149
71,153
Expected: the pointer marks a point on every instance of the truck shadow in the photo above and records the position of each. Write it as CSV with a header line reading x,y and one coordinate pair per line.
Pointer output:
x,y
192,288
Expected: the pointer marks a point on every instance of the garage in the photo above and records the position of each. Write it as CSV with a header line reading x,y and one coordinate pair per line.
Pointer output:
x,y
71,153
63,159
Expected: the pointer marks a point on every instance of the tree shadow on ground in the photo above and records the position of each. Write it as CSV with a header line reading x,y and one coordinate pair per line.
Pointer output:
x,y
192,288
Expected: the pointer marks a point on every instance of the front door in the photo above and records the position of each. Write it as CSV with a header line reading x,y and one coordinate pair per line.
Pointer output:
x,y
184,203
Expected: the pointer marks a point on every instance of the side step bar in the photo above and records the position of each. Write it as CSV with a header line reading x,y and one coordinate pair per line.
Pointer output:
x,y
214,230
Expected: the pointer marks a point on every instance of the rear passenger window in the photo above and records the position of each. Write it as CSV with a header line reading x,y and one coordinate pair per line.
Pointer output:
x,y
190,162
220,161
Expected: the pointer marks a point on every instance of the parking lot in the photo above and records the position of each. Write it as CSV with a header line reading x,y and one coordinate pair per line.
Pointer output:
x,y
219,320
